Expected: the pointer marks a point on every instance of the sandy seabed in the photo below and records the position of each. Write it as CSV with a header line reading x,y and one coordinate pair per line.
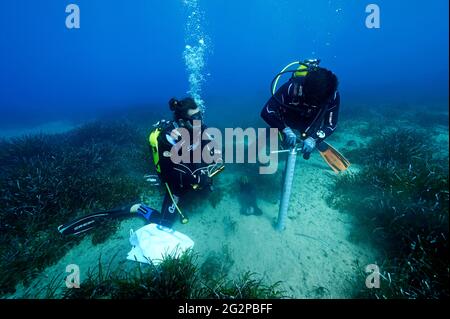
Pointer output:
x,y
313,257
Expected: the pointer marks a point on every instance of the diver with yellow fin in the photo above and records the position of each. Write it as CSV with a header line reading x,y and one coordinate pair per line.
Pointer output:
x,y
308,102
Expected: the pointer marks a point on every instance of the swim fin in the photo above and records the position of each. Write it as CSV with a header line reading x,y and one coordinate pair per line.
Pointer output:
x,y
86,223
334,159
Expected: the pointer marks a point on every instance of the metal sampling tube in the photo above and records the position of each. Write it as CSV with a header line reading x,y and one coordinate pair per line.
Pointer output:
x,y
287,187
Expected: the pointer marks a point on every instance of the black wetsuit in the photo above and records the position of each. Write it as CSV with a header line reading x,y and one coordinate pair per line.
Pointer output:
x,y
309,120
179,179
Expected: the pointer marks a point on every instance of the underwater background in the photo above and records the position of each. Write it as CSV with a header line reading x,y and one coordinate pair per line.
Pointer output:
x,y
77,106
132,54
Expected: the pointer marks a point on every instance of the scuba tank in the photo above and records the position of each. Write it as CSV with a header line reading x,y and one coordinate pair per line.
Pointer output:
x,y
301,71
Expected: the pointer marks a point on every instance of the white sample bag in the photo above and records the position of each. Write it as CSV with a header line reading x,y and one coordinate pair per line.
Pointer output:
x,y
152,242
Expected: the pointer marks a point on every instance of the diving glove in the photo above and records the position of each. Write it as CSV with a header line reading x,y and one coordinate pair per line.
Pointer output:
x,y
290,137
308,146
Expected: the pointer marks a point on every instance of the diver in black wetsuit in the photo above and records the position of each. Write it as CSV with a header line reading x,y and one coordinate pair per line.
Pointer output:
x,y
181,178
178,178
309,102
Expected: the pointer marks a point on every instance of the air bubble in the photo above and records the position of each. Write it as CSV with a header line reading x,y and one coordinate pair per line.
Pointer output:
x,y
195,55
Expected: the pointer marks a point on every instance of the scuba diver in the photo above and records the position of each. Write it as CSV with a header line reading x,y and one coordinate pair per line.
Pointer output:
x,y
178,178
309,103
181,178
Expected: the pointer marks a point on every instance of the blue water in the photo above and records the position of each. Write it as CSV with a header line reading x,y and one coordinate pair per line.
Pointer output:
x,y
130,53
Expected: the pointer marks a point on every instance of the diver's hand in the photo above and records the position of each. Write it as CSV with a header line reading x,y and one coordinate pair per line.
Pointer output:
x,y
289,137
308,146
203,180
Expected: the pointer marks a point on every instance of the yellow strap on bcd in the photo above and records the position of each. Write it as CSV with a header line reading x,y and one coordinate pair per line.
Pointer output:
x,y
302,70
153,140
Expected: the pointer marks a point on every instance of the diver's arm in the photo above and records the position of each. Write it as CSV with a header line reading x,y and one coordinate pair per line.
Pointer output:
x,y
271,112
330,119
201,171
212,148
192,173
182,173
